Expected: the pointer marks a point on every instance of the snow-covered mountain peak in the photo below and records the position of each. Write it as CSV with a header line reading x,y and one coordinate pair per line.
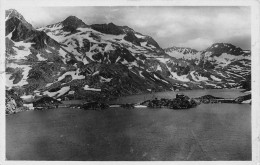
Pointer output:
x,y
219,48
14,14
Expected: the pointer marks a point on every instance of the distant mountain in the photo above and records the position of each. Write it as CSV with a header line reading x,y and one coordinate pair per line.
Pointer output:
x,y
74,60
182,52
218,49
222,63
223,54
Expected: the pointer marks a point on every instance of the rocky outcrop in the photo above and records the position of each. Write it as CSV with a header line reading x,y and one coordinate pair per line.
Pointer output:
x,y
94,106
180,102
13,103
12,13
10,105
132,38
108,28
246,84
244,98
71,23
46,102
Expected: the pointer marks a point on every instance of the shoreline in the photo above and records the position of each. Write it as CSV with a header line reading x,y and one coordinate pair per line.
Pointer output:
x,y
141,97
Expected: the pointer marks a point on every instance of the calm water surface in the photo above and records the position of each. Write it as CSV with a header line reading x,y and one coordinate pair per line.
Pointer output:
x,y
207,132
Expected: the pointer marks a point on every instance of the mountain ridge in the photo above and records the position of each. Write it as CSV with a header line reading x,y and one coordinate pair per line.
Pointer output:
x,y
75,60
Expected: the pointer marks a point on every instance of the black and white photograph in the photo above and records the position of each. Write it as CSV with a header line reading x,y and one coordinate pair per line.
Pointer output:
x,y
129,83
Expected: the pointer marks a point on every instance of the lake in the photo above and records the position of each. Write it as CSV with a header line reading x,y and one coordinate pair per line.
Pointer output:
x,y
207,132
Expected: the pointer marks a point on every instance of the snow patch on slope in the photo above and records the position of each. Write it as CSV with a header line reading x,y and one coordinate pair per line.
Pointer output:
x,y
74,74
58,93
25,68
86,87
215,78
40,58
179,55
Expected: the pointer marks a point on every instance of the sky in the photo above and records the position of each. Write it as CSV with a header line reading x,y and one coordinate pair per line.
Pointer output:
x,y
194,27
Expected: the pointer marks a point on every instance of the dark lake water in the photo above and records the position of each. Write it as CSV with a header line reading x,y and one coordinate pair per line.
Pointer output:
x,y
207,132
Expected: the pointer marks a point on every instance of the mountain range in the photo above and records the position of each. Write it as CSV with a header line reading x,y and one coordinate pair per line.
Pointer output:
x,y
73,60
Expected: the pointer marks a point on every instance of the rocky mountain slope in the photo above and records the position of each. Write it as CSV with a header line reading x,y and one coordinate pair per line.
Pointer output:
x,y
182,52
221,65
101,61
13,103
